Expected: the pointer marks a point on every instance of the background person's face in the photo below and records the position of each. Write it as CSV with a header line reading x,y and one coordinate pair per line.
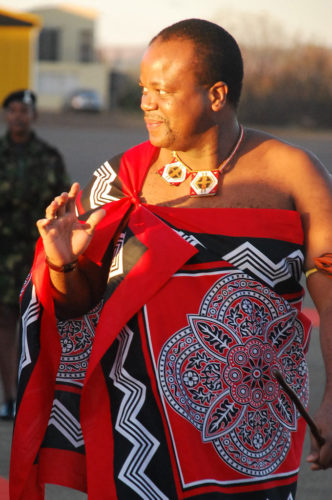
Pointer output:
x,y
19,117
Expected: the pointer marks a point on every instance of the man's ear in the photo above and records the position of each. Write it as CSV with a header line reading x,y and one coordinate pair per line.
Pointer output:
x,y
218,95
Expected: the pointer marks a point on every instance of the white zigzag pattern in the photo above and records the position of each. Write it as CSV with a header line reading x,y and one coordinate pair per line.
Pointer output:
x,y
248,257
101,188
190,238
117,260
66,424
144,444
30,315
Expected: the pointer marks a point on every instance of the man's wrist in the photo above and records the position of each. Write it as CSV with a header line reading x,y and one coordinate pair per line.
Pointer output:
x,y
65,268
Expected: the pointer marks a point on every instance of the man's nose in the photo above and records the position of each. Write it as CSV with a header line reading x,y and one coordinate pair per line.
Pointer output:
x,y
148,102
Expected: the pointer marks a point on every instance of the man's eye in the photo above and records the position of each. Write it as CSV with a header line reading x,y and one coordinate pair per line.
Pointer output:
x,y
145,91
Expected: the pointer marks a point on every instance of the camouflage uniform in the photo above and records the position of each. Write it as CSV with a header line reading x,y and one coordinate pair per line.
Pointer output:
x,y
30,176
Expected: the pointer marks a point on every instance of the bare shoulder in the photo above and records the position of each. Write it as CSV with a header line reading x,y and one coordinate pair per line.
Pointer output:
x,y
301,174
284,156
296,169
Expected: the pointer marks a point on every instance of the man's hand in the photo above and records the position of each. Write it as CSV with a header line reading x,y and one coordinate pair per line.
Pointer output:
x,y
65,238
321,457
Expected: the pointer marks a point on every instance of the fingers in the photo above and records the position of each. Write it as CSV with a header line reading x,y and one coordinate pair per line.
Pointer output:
x,y
319,458
51,210
325,456
74,190
64,203
313,456
313,460
42,224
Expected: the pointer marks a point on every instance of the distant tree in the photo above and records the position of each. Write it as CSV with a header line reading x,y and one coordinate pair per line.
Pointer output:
x,y
286,82
295,88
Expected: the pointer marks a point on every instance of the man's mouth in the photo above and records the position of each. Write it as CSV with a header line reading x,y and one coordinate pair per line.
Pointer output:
x,y
153,122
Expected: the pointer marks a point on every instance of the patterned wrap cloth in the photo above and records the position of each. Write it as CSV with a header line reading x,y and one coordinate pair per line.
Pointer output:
x,y
165,389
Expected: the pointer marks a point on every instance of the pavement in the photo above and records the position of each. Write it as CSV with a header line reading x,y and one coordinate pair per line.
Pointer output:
x,y
86,141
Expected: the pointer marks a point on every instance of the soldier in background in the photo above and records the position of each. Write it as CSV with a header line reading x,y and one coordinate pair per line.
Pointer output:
x,y
31,173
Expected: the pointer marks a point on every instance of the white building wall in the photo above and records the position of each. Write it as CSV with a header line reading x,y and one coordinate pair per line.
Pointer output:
x,y
56,81
70,25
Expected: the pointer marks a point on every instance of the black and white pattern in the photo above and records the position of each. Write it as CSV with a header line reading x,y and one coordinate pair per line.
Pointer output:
x,y
190,238
30,316
116,267
144,445
250,259
65,422
102,186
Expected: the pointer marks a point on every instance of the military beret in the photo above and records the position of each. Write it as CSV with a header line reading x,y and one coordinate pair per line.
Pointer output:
x,y
26,96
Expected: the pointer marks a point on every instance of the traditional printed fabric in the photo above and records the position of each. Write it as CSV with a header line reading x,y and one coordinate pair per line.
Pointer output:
x,y
30,177
172,394
216,373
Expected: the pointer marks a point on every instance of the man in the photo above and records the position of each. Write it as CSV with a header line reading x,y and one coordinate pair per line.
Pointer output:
x,y
191,270
31,173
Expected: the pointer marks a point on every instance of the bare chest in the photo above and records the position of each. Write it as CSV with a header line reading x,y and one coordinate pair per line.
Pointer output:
x,y
242,187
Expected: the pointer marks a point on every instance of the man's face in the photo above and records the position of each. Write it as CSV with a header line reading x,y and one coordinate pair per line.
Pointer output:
x,y
19,117
176,107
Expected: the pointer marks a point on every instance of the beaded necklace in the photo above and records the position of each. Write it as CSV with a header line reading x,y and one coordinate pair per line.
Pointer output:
x,y
202,182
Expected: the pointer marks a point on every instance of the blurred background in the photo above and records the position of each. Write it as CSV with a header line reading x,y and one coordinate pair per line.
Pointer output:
x,y
78,58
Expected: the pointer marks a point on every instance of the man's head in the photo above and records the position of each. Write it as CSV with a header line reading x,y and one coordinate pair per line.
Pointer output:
x,y
20,111
184,95
218,57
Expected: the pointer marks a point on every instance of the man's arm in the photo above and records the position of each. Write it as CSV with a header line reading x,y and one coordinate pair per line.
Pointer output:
x,y
320,289
312,194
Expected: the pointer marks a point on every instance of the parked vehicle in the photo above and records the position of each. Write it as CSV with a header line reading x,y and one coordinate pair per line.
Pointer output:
x,y
83,100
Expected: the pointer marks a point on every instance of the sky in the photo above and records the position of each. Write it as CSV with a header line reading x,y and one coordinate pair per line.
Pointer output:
x,y
135,22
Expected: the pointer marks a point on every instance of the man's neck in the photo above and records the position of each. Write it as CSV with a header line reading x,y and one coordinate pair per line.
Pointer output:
x,y
215,149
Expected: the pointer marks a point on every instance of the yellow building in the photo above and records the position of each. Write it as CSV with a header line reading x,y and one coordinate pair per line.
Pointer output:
x,y
18,36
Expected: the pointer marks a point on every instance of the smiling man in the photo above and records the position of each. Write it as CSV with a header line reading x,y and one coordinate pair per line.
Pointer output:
x,y
182,273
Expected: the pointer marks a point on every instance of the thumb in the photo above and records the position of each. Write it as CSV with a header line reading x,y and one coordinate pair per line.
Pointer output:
x,y
94,219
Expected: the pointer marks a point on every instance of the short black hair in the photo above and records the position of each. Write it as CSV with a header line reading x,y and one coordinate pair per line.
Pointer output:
x,y
218,53
25,95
